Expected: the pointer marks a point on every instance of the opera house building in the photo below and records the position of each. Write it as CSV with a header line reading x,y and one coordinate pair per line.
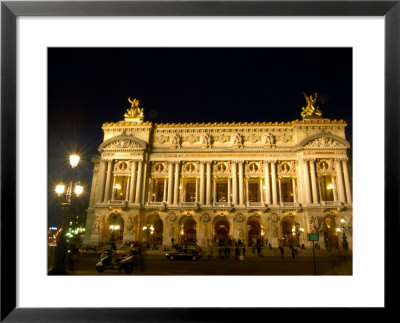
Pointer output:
x,y
270,183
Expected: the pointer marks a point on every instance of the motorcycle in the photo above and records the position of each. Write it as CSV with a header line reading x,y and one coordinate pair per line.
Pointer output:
x,y
108,260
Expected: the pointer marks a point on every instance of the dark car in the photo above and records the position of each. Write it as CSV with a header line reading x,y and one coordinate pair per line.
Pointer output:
x,y
184,254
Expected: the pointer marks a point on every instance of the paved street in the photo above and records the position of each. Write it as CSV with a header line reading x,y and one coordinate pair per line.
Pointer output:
x,y
157,264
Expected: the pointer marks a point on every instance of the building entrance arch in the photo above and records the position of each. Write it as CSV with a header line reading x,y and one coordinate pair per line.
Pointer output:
x,y
114,230
330,233
254,233
221,232
289,236
153,230
188,231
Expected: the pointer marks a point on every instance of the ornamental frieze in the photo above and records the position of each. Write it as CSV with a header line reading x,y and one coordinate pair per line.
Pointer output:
x,y
324,142
123,143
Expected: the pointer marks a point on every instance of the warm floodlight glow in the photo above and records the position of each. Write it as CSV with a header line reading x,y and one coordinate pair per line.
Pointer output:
x,y
60,189
330,187
74,160
117,186
293,229
78,189
338,230
144,228
342,220
301,229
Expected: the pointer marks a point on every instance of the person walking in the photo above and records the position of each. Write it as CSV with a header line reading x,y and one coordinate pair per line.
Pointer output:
x,y
293,253
259,251
281,250
237,251
244,251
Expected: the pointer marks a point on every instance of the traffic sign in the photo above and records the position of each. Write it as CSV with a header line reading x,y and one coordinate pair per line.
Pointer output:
x,y
313,236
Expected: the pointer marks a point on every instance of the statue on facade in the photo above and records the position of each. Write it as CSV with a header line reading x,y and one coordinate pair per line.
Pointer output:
x,y
237,140
268,139
205,140
176,141
311,110
135,113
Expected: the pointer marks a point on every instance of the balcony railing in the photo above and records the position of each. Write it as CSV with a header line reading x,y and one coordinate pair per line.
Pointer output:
x,y
121,203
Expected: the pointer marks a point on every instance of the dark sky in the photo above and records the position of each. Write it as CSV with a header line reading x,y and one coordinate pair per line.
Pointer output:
x,y
90,86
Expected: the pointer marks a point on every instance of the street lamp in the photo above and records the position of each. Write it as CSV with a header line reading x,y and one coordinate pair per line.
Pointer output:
x,y
65,194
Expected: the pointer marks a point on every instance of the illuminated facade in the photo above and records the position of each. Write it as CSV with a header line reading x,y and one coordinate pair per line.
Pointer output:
x,y
214,183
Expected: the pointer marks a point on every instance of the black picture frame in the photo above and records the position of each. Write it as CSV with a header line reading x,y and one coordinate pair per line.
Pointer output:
x,y
10,10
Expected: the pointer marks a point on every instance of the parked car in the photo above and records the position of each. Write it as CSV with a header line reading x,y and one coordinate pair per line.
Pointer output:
x,y
184,254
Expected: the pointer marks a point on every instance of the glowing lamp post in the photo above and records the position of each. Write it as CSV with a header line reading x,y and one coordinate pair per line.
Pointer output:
x,y
65,194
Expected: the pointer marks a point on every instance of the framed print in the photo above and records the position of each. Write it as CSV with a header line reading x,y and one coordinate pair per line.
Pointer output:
x,y
45,49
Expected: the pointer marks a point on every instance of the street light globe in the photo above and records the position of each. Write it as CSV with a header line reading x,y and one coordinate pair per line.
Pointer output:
x,y
74,160
60,189
78,189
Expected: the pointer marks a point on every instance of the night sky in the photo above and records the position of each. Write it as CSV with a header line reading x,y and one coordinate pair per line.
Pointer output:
x,y
90,86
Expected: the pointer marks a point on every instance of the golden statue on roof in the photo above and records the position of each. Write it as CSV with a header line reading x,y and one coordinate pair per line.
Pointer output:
x,y
135,113
311,111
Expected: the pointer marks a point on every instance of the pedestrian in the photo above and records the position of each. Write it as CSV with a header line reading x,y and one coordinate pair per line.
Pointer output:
x,y
237,252
281,250
269,246
244,251
293,253
259,251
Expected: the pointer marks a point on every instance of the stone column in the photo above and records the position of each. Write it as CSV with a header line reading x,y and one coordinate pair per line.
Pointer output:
x,y
150,197
215,190
347,181
208,197
280,190
145,182
165,191
267,183
261,191
93,187
170,182
247,190
113,189
241,202
335,192
340,183
234,183
229,191
273,183
127,190
314,182
307,182
176,186
101,177
108,181
202,183
294,190
133,181
197,191
139,182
